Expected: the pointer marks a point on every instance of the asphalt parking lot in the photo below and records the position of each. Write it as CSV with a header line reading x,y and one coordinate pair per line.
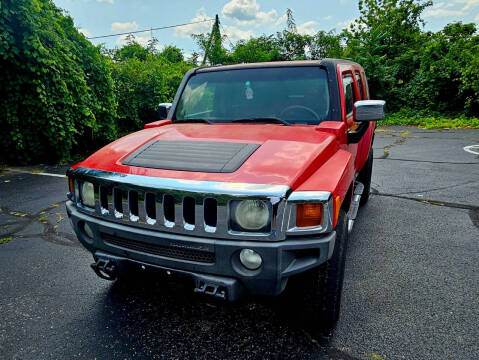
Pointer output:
x,y
411,285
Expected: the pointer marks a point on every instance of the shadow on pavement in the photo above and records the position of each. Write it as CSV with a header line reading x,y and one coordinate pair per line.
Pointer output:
x,y
167,320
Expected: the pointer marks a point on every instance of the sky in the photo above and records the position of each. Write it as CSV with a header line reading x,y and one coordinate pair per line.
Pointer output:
x,y
240,19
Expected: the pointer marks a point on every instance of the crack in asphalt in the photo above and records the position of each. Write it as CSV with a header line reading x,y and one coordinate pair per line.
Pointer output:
x,y
398,142
388,133
413,136
49,233
426,161
427,201
473,210
338,354
438,188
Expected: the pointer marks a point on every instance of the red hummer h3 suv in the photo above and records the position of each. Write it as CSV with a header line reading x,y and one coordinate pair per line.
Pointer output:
x,y
250,183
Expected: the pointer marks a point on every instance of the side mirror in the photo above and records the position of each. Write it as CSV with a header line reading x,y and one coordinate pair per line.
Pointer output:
x,y
163,109
369,110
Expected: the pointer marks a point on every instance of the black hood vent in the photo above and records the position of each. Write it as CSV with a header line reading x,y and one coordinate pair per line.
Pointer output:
x,y
201,156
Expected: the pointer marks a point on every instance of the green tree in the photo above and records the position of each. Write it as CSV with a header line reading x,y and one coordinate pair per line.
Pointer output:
x,y
325,45
387,39
261,49
172,54
131,50
447,79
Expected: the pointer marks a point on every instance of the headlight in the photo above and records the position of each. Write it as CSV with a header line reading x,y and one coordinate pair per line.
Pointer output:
x,y
251,215
87,194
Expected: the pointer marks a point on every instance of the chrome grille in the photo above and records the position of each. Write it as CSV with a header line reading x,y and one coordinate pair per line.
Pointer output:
x,y
161,209
197,208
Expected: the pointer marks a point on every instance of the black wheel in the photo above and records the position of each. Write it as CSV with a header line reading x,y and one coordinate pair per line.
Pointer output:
x,y
364,178
316,294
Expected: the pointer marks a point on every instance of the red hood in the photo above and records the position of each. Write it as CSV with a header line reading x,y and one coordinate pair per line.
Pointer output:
x,y
288,155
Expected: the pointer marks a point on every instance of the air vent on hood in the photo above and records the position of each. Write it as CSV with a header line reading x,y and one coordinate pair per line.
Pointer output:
x,y
204,156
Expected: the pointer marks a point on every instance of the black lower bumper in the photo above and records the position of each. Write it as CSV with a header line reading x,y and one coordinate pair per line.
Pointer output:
x,y
209,262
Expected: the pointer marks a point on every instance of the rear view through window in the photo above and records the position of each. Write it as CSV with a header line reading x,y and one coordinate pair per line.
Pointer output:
x,y
297,95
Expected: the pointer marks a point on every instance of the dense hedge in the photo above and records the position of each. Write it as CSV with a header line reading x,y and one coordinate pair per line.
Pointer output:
x,y
60,96
143,79
429,120
56,88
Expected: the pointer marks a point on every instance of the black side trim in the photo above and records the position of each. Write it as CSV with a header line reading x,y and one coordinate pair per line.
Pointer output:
x,y
355,136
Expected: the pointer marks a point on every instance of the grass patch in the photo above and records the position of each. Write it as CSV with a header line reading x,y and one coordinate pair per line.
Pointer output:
x,y
5,240
16,213
428,120
43,219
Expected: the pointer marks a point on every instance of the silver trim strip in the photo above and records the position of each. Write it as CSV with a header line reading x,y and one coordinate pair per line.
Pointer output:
x,y
213,187
136,187
301,197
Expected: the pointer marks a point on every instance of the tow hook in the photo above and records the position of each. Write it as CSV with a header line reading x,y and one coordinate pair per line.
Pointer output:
x,y
210,289
106,269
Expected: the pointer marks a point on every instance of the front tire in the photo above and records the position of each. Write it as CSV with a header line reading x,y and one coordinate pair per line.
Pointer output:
x,y
317,293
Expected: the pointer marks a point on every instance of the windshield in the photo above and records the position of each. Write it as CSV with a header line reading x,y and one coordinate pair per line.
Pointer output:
x,y
296,95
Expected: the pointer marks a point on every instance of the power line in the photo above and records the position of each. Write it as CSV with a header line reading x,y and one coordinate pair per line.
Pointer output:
x,y
224,32
151,29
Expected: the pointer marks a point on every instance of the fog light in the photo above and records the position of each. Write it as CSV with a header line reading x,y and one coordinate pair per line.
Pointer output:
x,y
88,230
250,259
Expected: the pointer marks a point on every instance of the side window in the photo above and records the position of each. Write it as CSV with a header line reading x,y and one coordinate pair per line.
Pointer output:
x,y
360,86
348,94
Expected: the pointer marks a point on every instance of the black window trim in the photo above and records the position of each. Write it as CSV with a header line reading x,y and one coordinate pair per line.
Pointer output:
x,y
359,82
344,76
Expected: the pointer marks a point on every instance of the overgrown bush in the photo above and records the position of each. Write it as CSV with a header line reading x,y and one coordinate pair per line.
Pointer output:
x,y
56,90
141,83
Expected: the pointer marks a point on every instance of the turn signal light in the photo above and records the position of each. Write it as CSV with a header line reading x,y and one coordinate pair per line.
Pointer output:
x,y
70,186
309,214
337,207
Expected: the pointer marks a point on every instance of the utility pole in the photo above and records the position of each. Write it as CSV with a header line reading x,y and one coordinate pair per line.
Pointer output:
x,y
215,31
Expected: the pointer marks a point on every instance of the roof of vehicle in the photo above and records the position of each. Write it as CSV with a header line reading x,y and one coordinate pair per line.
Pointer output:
x,y
318,62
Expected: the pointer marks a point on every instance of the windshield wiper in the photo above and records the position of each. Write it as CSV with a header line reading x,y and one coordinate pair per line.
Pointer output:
x,y
264,119
192,120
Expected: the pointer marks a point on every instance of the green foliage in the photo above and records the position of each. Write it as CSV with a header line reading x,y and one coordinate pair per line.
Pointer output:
x,y
132,50
386,39
5,240
430,121
325,44
260,49
140,85
212,45
62,97
172,54
447,78
57,90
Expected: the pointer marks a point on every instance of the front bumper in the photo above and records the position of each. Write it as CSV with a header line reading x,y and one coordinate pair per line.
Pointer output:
x,y
281,259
